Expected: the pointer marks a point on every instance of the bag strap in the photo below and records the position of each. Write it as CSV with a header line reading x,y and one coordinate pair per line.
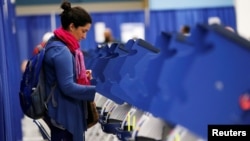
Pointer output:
x,y
51,96
51,42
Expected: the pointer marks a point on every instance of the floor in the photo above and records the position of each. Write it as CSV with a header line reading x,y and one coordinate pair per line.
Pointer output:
x,y
31,132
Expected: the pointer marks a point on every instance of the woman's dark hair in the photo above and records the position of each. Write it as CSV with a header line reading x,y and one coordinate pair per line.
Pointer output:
x,y
76,15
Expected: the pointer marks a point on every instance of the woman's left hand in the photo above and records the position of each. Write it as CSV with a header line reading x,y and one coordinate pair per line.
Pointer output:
x,y
89,74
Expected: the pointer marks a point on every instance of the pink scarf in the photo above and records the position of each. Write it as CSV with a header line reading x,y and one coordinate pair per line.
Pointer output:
x,y
74,48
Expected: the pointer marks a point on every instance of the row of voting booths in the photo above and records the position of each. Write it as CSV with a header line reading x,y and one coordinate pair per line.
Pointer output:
x,y
172,89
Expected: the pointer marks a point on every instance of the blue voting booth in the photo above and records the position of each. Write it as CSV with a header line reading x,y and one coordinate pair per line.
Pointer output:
x,y
133,67
193,81
215,76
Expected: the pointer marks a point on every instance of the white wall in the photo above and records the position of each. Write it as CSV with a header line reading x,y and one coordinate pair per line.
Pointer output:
x,y
180,4
90,7
243,21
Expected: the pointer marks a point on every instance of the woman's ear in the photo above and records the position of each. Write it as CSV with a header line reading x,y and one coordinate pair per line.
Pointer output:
x,y
71,26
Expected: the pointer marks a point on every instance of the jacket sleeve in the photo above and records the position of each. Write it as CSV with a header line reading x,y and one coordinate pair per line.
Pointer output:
x,y
63,63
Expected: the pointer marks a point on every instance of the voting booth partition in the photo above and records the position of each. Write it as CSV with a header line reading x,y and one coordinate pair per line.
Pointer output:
x,y
192,81
9,73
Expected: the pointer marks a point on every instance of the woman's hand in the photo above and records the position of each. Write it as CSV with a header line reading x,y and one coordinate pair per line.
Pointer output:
x,y
89,74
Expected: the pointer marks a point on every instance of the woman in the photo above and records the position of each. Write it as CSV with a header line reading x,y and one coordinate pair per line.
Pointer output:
x,y
65,69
